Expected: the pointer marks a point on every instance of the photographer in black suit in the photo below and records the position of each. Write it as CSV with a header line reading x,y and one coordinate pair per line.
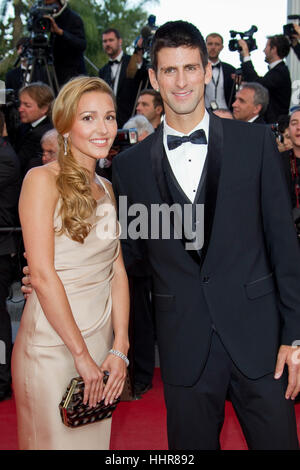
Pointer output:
x,y
68,42
221,89
9,195
115,72
277,80
35,108
295,40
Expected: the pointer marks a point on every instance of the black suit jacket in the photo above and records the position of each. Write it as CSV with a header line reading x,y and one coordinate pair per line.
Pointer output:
x,y
28,145
68,49
128,88
246,282
278,83
229,88
259,120
9,194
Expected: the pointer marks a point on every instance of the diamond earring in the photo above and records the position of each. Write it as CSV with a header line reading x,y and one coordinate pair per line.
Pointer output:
x,y
65,145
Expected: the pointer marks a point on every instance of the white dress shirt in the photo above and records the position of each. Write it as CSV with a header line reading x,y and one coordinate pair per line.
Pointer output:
x,y
115,72
187,160
214,90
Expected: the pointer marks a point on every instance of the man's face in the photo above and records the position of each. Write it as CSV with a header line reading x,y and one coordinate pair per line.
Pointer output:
x,y
145,107
111,45
29,110
214,46
50,150
181,80
294,129
244,108
269,52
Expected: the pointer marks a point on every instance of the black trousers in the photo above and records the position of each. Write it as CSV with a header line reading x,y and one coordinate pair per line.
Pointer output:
x,y
143,341
6,278
195,415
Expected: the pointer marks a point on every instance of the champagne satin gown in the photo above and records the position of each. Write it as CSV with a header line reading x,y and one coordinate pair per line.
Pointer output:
x,y
42,366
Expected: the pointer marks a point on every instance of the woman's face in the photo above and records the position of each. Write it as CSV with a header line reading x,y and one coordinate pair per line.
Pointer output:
x,y
95,126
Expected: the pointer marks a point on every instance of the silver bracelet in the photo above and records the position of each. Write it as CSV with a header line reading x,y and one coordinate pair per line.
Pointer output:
x,y
120,355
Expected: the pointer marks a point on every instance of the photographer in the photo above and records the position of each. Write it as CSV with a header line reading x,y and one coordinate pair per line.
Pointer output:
x,y
35,108
124,74
9,194
295,40
277,80
291,161
67,40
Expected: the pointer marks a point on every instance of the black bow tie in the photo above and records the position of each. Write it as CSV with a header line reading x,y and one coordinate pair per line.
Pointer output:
x,y
216,66
197,137
111,62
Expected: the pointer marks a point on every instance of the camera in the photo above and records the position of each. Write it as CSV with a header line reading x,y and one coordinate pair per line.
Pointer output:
x,y
126,137
147,33
37,23
275,128
247,36
288,29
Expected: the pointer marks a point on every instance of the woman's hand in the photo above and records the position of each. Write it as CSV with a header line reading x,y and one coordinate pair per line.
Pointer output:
x,y
117,374
92,377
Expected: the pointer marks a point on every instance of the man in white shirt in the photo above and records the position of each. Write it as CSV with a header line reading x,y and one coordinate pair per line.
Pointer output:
x,y
217,310
251,103
277,80
220,91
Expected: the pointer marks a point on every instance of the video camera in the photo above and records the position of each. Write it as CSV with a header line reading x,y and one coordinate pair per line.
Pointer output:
x,y
247,36
288,29
37,22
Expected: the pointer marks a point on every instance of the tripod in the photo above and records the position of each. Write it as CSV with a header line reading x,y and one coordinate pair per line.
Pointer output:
x,y
40,65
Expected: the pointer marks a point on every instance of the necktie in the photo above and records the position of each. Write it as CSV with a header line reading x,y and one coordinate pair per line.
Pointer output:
x,y
197,137
112,62
217,66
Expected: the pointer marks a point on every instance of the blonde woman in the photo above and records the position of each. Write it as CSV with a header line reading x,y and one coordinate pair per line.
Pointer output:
x,y
78,311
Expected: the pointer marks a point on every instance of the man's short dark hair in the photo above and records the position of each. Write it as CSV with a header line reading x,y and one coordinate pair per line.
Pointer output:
x,y
157,99
214,35
281,43
176,34
261,95
112,30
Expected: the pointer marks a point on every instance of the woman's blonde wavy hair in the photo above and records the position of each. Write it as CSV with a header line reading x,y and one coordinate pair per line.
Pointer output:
x,y
73,181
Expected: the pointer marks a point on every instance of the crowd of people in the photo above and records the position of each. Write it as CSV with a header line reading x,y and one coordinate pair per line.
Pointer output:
x,y
221,330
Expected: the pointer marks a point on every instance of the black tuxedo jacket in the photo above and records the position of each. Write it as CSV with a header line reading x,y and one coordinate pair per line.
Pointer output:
x,y
278,83
245,282
229,89
128,88
28,145
9,194
259,120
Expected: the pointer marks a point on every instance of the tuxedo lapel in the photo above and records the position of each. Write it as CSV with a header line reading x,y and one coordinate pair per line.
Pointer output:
x,y
213,168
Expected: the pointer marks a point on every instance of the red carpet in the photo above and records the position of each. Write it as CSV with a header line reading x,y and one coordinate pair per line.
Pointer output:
x,y
137,425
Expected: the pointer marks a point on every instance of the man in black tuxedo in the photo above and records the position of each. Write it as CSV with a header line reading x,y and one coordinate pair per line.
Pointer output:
x,y
277,80
68,42
227,310
251,102
221,89
125,85
9,196
35,109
